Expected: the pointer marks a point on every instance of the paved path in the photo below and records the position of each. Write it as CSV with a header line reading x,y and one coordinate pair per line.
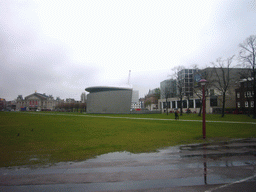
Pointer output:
x,y
203,167
138,118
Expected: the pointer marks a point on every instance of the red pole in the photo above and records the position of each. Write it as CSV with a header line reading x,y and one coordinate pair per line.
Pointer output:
x,y
204,130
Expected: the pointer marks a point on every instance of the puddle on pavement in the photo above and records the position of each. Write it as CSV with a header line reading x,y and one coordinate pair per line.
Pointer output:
x,y
205,158
124,156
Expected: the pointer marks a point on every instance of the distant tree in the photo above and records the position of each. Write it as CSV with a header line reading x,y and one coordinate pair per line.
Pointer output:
x,y
157,93
83,106
247,56
76,106
221,70
148,103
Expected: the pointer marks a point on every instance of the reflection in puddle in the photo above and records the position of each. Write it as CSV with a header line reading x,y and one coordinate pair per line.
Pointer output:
x,y
190,165
202,156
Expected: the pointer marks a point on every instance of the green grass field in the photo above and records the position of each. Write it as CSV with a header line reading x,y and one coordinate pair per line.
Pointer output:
x,y
54,137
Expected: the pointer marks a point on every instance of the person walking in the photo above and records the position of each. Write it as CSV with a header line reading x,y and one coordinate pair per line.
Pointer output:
x,y
176,115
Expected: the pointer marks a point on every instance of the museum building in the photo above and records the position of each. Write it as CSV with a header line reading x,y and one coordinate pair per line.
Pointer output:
x,y
36,101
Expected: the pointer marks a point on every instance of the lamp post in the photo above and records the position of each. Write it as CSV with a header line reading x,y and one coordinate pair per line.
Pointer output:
x,y
203,83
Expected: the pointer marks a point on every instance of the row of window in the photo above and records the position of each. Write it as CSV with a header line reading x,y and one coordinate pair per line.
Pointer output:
x,y
246,94
35,102
189,104
246,104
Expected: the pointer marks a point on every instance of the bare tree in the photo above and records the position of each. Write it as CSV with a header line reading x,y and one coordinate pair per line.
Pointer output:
x,y
221,70
248,57
166,95
200,74
179,85
169,91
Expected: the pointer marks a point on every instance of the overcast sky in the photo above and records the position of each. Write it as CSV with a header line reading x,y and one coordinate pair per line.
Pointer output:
x,y
60,47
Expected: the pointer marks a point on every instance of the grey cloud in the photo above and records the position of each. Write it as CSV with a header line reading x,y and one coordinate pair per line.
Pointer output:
x,y
30,62
231,23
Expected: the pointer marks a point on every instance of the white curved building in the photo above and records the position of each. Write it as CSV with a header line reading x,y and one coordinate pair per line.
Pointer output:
x,y
103,99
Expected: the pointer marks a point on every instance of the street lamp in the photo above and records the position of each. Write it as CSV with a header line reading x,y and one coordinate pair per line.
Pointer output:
x,y
203,83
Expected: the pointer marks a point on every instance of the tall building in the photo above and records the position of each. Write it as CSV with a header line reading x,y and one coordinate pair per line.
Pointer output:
x,y
185,82
135,100
168,88
83,97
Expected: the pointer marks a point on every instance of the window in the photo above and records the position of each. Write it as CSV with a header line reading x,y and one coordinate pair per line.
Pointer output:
x,y
211,92
246,103
252,103
173,104
238,104
213,102
249,93
178,102
245,95
198,103
184,103
190,104
238,95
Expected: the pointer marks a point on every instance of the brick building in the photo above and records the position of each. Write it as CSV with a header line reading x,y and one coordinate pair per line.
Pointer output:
x,y
245,95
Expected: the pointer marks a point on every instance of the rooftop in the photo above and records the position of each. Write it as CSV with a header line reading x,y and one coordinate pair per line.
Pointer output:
x,y
104,88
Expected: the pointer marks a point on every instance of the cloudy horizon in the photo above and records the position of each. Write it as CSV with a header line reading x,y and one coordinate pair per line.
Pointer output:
x,y
61,47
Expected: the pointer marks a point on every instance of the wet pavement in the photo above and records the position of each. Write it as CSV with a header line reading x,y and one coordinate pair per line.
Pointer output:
x,y
224,166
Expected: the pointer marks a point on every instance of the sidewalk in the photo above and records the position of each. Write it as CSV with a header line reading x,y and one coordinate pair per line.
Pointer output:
x,y
200,167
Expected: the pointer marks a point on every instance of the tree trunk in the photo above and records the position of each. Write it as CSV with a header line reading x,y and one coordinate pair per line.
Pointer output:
x,y
254,96
181,106
223,104
166,106
200,111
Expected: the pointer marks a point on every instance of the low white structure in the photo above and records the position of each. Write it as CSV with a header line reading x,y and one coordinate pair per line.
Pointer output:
x,y
108,99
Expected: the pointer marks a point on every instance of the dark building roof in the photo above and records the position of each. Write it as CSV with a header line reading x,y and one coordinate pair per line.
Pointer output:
x,y
103,88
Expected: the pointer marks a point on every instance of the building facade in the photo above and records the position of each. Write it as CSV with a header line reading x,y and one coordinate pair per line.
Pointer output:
x,y
151,99
245,96
2,104
135,104
83,98
168,88
36,101
185,82
192,92
109,100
